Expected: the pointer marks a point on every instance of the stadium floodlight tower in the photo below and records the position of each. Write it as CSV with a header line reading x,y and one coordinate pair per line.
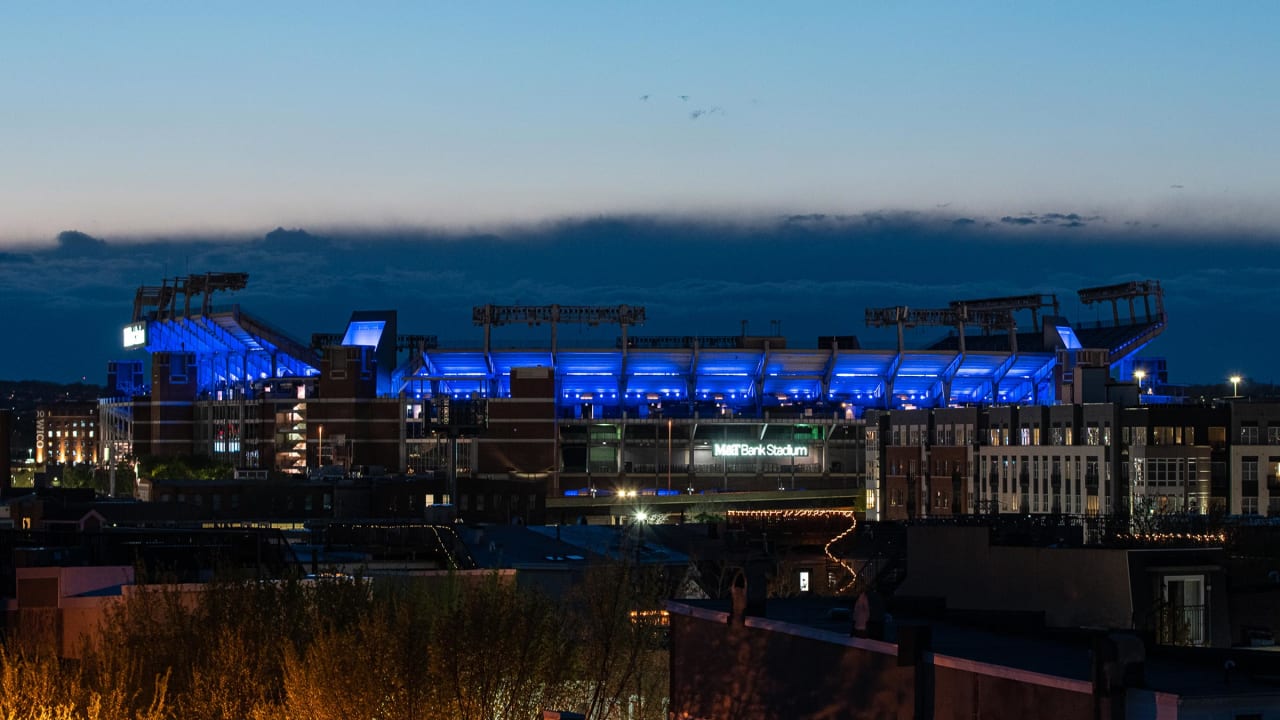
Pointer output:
x,y
1145,289
165,298
1146,327
490,316
957,317
1011,304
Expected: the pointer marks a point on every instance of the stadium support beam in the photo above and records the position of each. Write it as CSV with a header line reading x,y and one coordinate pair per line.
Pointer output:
x,y
164,299
490,316
1146,289
1011,304
955,316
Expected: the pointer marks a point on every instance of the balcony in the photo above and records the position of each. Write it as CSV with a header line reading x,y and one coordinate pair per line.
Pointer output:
x,y
1182,625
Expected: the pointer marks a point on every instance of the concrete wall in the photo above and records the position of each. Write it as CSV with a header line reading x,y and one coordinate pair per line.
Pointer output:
x,y
769,669
719,670
1073,586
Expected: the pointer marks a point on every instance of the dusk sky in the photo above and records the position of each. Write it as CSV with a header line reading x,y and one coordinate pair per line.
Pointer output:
x,y
459,154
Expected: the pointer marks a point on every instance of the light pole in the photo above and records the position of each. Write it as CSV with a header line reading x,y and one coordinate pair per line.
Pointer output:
x,y
1138,375
1235,385
320,447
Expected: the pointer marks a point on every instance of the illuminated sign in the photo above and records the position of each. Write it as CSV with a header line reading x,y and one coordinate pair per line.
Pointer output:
x,y
40,437
758,450
135,335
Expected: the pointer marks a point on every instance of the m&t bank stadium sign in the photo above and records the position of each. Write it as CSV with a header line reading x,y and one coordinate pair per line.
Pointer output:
x,y
758,450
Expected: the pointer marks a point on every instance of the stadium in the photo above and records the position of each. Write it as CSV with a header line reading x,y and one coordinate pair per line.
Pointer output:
x,y
650,414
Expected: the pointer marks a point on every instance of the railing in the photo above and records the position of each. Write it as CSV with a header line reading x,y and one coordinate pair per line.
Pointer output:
x,y
1181,625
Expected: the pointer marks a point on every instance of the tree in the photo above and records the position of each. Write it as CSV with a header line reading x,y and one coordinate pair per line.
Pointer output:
x,y
622,634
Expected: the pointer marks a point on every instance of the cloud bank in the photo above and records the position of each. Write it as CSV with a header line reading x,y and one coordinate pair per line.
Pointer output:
x,y
812,273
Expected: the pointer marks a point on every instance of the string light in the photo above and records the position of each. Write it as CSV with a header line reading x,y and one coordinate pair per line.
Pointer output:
x,y
825,514
853,575
1205,538
812,513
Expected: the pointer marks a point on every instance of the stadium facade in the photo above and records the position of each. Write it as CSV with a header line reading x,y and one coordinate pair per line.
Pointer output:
x,y
651,413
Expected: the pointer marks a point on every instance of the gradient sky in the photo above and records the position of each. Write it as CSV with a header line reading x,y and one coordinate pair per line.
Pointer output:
x,y
139,119
667,154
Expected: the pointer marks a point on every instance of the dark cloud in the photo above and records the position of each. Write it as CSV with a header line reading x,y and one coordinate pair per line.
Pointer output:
x,y
813,272
1065,220
280,235
811,217
77,243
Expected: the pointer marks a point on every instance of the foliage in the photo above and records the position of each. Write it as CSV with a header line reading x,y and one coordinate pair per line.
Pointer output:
x,y
40,687
470,646
706,511
99,479
193,467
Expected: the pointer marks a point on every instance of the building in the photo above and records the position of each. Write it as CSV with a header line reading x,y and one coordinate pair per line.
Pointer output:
x,y
806,659
1095,460
6,451
67,434
651,412
1255,459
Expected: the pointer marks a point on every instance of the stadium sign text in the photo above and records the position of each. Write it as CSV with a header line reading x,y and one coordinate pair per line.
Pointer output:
x,y
758,450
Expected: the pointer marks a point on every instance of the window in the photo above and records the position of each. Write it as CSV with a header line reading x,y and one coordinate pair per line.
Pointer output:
x,y
804,581
1249,434
1092,435
1249,473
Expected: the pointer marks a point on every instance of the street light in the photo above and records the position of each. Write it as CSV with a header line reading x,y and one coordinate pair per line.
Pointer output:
x,y
320,447
1138,375
1235,385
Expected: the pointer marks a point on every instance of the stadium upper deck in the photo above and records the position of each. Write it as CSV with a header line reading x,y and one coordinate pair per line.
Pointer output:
x,y
234,351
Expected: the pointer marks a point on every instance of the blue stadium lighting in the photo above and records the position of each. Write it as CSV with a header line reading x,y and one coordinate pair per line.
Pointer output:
x,y
364,333
1068,336
741,380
